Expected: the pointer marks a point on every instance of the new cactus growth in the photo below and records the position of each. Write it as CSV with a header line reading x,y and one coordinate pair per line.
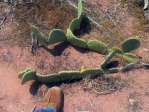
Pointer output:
x,y
39,35
97,46
80,8
75,23
130,44
56,35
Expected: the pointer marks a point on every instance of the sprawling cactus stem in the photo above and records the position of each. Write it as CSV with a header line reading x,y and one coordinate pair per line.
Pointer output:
x,y
130,44
75,41
51,78
69,75
145,4
39,35
56,35
92,72
30,75
129,57
97,46
21,74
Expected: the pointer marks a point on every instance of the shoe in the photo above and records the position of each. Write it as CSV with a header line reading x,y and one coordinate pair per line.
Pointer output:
x,y
54,98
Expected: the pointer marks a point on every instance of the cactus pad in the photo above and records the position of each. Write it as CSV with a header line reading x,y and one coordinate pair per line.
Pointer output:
x,y
108,58
74,40
69,75
30,75
129,57
39,35
80,7
75,23
51,78
56,35
118,51
21,74
130,44
97,46
92,72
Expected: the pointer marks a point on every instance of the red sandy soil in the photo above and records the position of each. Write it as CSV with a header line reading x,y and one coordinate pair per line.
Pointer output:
x,y
15,97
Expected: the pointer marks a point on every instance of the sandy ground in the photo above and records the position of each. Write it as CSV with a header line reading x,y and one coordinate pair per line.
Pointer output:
x,y
14,97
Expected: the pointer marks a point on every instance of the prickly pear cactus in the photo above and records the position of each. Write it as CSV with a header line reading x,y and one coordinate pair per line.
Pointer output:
x,y
97,46
20,75
56,35
30,75
39,35
91,72
50,78
80,8
69,75
107,60
75,23
129,57
130,44
75,41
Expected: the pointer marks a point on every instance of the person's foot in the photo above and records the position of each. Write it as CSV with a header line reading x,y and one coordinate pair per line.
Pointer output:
x,y
54,98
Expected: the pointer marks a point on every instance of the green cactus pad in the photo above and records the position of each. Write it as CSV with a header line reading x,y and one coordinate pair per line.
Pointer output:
x,y
75,23
129,57
20,75
92,72
51,78
69,75
107,60
56,35
97,46
130,44
30,75
80,7
39,35
74,40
